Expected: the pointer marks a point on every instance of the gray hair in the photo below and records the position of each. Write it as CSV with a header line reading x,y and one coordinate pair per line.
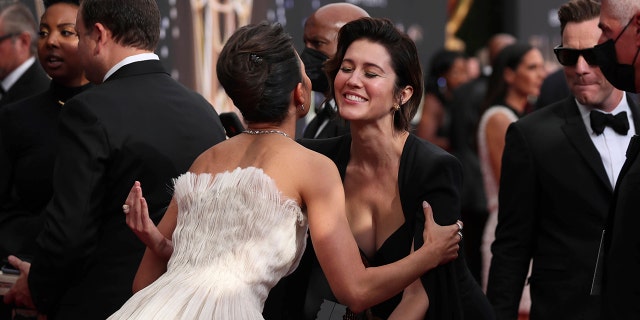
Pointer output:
x,y
17,18
623,10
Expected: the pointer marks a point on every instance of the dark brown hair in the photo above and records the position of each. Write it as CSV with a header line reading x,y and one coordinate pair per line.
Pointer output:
x,y
134,23
578,11
404,61
258,68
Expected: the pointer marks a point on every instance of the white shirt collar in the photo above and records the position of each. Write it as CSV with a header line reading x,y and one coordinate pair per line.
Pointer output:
x,y
13,77
129,60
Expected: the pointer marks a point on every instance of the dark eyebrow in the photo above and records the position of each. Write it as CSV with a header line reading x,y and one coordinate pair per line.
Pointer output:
x,y
366,64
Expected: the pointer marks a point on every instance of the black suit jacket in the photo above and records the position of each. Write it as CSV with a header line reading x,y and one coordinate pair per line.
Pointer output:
x,y
32,81
621,277
553,203
28,147
139,124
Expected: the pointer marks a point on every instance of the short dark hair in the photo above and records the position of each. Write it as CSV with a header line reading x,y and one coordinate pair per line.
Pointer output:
x,y
48,3
578,11
258,68
404,60
134,23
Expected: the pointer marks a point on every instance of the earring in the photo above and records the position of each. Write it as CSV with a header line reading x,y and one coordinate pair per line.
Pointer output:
x,y
396,107
302,107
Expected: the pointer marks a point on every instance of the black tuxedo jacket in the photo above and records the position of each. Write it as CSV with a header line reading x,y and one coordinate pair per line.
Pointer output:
x,y
334,128
139,124
553,203
621,277
32,81
28,148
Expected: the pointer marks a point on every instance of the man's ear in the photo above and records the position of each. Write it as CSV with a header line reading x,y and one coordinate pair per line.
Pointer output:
x,y
101,36
636,22
24,39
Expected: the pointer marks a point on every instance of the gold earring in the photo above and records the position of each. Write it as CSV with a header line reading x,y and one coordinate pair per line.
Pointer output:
x,y
396,107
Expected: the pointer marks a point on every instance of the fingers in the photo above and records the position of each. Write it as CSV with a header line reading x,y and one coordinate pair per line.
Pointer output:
x,y
428,213
15,261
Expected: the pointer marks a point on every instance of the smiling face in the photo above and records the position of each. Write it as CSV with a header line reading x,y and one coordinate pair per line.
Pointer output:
x,y
365,82
58,45
586,82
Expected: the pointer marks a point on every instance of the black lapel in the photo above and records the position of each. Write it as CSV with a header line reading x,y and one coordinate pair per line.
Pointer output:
x,y
578,136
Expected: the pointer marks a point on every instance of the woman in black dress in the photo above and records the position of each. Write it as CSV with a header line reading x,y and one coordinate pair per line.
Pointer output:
x,y
28,132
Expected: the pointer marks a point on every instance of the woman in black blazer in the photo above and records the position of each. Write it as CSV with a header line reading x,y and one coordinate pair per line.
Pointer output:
x,y
28,132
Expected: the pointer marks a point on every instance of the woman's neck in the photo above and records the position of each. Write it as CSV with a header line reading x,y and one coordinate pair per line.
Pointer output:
x,y
516,101
375,147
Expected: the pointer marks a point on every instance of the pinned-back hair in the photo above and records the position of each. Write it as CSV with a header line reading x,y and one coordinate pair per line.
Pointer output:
x,y
258,68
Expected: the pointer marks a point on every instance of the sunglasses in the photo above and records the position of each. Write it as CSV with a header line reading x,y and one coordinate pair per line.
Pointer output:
x,y
7,36
569,57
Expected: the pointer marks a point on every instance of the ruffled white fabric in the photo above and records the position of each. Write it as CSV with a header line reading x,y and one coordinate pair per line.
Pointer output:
x,y
236,237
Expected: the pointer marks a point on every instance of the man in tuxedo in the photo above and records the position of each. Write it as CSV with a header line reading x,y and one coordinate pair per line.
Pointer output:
x,y
137,124
321,41
559,169
619,47
20,76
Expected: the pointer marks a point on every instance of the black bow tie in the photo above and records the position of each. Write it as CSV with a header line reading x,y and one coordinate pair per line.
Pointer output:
x,y
619,123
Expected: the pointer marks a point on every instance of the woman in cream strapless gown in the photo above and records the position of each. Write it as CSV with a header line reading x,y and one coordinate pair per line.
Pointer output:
x,y
224,264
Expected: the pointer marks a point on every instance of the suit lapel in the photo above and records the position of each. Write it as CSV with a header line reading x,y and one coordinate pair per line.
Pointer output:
x,y
577,135
635,112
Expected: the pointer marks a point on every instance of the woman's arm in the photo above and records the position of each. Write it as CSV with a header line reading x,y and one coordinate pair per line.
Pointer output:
x,y
414,303
495,135
353,284
157,239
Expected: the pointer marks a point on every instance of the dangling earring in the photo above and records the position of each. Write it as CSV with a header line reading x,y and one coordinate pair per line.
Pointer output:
x,y
396,107
302,108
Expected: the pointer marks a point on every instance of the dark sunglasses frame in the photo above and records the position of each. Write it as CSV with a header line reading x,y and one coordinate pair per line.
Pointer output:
x,y
568,57
7,36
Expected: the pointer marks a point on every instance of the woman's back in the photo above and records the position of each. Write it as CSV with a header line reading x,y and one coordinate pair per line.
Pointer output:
x,y
237,234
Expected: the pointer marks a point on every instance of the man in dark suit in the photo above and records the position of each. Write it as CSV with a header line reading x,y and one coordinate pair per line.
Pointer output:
x,y
20,75
137,124
321,41
559,169
620,22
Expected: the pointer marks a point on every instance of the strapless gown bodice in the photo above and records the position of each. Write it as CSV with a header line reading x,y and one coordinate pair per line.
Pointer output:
x,y
236,237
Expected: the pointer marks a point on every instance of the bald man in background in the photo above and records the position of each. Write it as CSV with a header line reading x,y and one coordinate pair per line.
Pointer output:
x,y
321,41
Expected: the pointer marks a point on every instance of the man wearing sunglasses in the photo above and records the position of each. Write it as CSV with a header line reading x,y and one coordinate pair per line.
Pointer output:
x,y
618,53
559,169
20,75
